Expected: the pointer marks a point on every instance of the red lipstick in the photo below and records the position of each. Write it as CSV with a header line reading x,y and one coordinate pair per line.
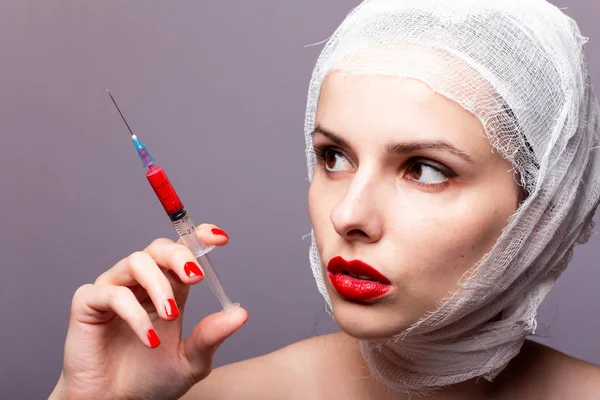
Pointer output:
x,y
357,280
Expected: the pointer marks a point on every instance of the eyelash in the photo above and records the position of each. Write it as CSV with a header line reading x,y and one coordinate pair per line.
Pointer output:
x,y
322,151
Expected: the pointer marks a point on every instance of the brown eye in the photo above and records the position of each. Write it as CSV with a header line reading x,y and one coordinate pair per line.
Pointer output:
x,y
330,159
427,174
416,170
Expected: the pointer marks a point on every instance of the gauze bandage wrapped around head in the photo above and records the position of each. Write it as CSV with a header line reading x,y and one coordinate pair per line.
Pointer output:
x,y
518,66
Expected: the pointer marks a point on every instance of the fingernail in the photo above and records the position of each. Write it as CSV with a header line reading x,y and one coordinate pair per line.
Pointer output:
x,y
171,308
191,269
217,231
153,338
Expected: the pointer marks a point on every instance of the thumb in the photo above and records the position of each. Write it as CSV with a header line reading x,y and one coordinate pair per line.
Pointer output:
x,y
206,337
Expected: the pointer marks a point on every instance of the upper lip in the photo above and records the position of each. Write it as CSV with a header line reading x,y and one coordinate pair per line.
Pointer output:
x,y
338,264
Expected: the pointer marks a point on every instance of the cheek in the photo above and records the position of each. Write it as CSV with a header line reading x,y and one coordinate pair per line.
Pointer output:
x,y
438,243
314,206
319,208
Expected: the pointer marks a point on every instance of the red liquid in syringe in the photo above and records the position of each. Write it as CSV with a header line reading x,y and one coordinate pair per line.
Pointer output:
x,y
164,190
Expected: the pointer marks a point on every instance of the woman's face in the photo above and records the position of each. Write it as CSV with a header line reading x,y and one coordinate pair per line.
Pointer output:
x,y
405,183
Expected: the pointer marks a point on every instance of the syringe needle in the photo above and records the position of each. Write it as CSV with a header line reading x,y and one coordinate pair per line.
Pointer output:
x,y
118,109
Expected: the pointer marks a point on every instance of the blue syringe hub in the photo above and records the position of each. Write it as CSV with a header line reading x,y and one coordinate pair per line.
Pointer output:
x,y
142,151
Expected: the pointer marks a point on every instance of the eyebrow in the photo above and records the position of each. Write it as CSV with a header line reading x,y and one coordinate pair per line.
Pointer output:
x,y
401,148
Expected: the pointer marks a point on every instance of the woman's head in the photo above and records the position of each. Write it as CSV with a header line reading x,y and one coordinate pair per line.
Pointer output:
x,y
407,182
504,83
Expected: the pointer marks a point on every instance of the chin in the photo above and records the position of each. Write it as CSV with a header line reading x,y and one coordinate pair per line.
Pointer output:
x,y
367,321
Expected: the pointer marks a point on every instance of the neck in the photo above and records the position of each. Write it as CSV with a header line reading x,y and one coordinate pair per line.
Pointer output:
x,y
382,373
371,388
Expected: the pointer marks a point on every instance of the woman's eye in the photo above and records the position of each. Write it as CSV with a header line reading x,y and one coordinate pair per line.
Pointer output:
x,y
427,174
332,159
335,161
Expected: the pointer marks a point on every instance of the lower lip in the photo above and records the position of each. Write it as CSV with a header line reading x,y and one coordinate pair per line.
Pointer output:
x,y
357,289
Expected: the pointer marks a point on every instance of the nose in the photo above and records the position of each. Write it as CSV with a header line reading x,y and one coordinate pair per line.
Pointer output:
x,y
358,215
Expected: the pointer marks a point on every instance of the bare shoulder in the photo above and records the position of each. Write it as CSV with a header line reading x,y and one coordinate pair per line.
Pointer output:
x,y
543,372
571,377
283,374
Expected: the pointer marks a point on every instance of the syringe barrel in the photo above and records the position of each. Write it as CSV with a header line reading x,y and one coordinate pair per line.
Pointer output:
x,y
186,230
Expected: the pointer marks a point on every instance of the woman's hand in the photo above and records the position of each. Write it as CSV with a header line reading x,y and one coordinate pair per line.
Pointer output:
x,y
124,339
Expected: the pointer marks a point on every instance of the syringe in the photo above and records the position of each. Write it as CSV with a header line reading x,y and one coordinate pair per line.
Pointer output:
x,y
179,217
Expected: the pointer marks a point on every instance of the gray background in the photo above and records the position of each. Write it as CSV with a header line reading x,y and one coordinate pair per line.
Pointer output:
x,y
217,91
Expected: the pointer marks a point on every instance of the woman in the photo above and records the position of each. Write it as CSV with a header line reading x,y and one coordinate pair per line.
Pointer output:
x,y
451,151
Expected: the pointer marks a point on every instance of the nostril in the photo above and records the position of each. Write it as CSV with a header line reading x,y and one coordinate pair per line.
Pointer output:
x,y
357,232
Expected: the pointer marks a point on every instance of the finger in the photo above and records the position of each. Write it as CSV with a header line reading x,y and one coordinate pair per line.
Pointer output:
x,y
139,292
95,304
177,258
208,335
211,235
140,268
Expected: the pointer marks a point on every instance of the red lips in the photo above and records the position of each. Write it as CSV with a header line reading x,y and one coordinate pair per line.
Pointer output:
x,y
366,283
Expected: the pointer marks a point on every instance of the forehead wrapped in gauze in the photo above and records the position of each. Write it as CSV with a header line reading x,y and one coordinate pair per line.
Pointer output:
x,y
519,66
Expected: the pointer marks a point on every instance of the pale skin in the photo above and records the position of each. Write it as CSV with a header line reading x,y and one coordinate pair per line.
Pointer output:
x,y
403,170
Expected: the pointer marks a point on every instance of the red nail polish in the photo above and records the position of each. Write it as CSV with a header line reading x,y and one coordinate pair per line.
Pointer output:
x,y
153,338
217,231
171,308
191,269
